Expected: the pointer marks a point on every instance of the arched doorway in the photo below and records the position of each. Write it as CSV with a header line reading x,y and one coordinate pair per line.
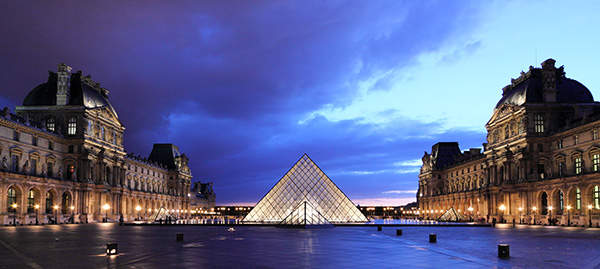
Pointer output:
x,y
544,203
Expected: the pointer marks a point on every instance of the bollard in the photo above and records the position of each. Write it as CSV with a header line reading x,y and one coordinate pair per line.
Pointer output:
x,y
503,251
112,249
432,238
179,237
379,228
399,232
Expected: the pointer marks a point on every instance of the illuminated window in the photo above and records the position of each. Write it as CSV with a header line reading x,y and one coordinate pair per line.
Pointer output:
x,y
596,162
51,124
561,201
538,121
11,199
576,140
595,134
596,197
559,144
577,199
72,126
66,203
578,165
30,201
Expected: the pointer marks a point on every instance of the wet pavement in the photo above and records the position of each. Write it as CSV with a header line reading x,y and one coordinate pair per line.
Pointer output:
x,y
84,246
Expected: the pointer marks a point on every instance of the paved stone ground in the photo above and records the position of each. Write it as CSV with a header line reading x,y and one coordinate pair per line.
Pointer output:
x,y
83,246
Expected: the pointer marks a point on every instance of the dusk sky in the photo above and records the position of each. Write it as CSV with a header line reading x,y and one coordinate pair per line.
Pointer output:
x,y
244,88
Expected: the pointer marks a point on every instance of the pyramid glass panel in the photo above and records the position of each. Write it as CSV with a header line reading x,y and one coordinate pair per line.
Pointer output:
x,y
305,196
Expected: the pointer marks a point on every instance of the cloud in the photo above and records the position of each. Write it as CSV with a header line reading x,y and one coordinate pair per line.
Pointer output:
x,y
414,162
400,192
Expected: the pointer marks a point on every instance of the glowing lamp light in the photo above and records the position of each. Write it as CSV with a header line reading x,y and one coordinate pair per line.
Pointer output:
x,y
520,209
72,207
55,207
36,206
149,209
502,207
106,207
590,206
534,208
568,207
112,249
550,208
138,208
14,205
470,209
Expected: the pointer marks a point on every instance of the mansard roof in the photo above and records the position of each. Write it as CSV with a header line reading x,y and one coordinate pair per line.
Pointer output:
x,y
83,92
528,88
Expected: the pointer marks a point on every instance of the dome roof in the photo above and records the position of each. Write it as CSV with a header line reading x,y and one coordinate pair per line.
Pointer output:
x,y
83,92
529,88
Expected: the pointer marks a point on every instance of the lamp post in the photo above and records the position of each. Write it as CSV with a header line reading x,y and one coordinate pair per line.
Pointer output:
x,y
470,212
14,206
72,214
590,214
550,211
55,214
520,215
534,209
502,208
568,215
37,212
106,207
137,209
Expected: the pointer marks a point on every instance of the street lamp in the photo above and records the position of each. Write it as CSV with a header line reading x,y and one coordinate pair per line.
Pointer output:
x,y
470,212
502,207
568,215
37,211
72,214
534,209
590,214
550,209
138,209
106,207
55,214
520,215
14,206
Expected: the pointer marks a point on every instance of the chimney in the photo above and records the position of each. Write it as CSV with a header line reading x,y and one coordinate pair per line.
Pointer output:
x,y
62,84
549,80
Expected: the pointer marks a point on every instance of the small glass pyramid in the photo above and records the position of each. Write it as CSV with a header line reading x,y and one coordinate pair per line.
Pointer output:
x,y
304,185
450,215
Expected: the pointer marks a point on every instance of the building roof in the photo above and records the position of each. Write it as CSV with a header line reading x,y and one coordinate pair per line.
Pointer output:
x,y
165,154
83,92
529,87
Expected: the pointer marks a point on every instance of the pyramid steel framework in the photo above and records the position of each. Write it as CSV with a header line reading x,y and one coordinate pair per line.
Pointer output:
x,y
450,215
305,196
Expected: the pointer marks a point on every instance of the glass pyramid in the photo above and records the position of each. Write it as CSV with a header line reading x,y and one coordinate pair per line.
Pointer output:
x,y
450,215
304,184
304,214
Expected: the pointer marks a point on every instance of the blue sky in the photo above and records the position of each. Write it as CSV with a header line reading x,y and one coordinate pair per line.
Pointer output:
x,y
245,88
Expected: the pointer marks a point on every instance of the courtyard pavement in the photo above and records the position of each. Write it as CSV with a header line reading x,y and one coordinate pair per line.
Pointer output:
x,y
84,246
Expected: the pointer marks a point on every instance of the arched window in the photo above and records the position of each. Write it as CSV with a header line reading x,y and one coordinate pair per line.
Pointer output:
x,y
11,200
561,201
596,197
51,124
66,203
49,202
102,134
72,126
544,203
31,201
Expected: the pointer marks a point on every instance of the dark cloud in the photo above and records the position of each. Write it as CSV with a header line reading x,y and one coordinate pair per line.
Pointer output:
x,y
228,82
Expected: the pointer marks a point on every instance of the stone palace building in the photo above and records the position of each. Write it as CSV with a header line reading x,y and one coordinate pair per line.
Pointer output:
x,y
62,160
541,162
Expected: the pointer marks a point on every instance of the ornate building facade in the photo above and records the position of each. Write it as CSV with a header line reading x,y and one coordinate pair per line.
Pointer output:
x,y
62,160
541,162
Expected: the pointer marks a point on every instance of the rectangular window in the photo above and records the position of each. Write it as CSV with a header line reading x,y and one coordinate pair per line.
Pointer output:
x,y
50,145
33,170
540,170
50,170
595,134
596,162
51,124
72,126
15,163
16,135
70,148
541,147
577,199
561,169
578,165
576,140
559,144
538,121
34,140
